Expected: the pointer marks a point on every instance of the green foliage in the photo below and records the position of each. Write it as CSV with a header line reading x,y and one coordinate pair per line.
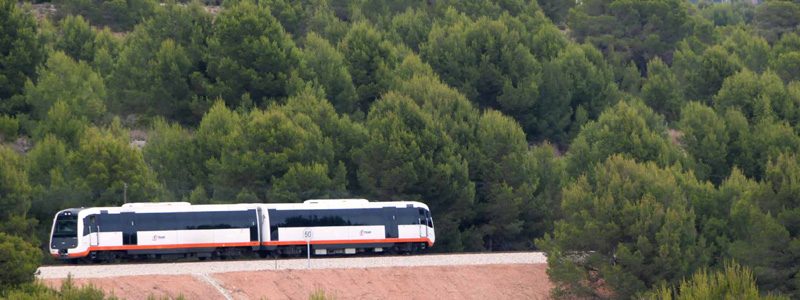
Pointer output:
x,y
319,294
408,156
274,141
704,74
15,199
732,13
662,91
627,227
117,14
639,30
459,117
509,124
787,65
219,131
172,154
105,163
161,65
19,263
21,52
76,38
369,58
764,245
158,92
766,141
274,152
250,56
630,129
507,178
326,23
732,282
9,128
106,50
303,182
705,138
493,9
769,240
488,62
789,42
291,14
543,209
67,291
775,18
326,67
48,156
62,123
48,166
556,10
548,42
781,178
74,83
585,81
411,27
713,210
344,133
752,50
755,95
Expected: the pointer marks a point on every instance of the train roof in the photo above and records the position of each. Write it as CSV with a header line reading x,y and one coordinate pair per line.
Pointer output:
x,y
308,204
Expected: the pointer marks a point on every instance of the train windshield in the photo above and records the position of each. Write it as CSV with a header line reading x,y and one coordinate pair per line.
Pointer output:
x,y
66,226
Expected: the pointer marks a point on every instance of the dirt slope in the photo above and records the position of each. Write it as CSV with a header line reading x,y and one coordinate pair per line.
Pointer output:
x,y
523,281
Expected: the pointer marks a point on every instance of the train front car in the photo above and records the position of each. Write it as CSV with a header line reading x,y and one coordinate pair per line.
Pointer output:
x,y
168,230
65,239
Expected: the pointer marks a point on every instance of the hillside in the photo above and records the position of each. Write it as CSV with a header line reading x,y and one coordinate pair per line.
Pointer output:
x,y
636,142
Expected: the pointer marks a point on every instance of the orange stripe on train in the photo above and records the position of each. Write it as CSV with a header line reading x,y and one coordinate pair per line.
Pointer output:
x,y
218,245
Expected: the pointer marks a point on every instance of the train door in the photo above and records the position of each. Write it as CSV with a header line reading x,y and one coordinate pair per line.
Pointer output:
x,y
128,226
422,222
94,230
390,215
260,218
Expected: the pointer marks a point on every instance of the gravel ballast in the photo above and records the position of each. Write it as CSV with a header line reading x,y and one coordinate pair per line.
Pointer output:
x,y
189,268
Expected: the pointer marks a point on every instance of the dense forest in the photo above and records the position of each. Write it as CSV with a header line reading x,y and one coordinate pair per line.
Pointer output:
x,y
642,144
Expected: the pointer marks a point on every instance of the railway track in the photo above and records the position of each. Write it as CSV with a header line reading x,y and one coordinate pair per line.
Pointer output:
x,y
317,262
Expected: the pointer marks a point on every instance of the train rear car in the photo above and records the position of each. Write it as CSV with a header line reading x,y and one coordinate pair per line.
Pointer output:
x,y
347,226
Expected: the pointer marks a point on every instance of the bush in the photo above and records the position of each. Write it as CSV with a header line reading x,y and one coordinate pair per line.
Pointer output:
x,y
18,261
68,291
9,127
319,294
733,282
120,15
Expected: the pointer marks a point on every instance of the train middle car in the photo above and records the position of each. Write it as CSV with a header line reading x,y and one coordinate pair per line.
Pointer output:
x,y
179,229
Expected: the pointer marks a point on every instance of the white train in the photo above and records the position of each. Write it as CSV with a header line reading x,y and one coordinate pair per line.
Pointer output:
x,y
179,229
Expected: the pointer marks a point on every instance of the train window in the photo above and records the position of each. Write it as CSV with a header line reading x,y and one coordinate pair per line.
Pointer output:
x,y
326,217
195,220
66,226
407,216
108,223
428,217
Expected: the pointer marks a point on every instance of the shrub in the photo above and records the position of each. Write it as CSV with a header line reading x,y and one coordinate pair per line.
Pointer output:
x,y
9,127
18,260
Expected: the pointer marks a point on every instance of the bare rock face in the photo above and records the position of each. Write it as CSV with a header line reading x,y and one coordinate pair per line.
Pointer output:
x,y
22,145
